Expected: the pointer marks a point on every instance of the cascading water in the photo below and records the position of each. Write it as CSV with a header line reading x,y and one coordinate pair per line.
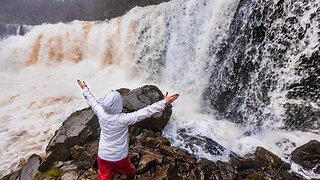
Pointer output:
x,y
183,46
266,71
12,29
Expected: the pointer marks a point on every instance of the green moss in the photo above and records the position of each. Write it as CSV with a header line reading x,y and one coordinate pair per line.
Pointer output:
x,y
54,172
51,174
6,177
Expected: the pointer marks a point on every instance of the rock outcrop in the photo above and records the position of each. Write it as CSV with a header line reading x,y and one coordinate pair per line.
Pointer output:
x,y
73,150
79,127
155,159
83,126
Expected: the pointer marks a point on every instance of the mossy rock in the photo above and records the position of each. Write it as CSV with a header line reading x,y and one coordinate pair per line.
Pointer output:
x,y
52,174
5,177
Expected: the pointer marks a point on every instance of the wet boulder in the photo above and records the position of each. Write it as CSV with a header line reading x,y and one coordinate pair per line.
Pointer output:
x,y
271,159
308,156
208,145
139,98
243,163
263,164
77,129
28,170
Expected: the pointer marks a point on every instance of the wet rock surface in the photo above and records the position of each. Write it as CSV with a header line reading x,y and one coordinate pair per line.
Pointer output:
x,y
208,145
141,97
308,156
79,127
28,171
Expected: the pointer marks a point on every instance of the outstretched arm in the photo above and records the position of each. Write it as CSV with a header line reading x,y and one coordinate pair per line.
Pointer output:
x,y
91,100
131,118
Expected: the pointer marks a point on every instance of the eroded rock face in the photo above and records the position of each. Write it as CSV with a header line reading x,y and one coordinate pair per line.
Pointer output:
x,y
308,156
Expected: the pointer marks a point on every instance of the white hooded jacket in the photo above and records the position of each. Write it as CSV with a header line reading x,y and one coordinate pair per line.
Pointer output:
x,y
114,143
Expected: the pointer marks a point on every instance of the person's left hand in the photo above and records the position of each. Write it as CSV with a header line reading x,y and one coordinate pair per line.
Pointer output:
x,y
171,98
82,84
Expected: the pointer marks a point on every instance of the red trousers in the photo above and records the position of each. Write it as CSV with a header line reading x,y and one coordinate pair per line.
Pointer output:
x,y
107,169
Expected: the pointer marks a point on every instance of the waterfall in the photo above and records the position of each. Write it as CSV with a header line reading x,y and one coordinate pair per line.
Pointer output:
x,y
267,70
227,59
7,30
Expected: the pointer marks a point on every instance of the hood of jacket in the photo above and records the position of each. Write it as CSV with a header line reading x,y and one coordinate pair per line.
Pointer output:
x,y
112,103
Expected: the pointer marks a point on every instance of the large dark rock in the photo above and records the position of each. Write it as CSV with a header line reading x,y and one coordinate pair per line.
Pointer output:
x,y
263,164
244,163
208,145
308,156
28,170
272,160
77,129
141,97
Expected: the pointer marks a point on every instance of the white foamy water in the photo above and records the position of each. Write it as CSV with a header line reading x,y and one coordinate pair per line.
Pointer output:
x,y
166,45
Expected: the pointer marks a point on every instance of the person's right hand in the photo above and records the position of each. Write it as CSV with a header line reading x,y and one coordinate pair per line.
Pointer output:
x,y
82,84
171,98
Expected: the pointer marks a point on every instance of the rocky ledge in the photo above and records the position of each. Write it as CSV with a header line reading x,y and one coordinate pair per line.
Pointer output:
x,y
72,152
